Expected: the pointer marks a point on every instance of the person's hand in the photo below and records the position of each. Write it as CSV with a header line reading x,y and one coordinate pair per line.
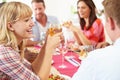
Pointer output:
x,y
54,40
69,25
102,45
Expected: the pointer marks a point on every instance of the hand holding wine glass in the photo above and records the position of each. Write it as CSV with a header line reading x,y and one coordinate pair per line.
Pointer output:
x,y
53,29
62,47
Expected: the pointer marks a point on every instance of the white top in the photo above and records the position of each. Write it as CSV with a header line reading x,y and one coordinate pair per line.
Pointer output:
x,y
101,64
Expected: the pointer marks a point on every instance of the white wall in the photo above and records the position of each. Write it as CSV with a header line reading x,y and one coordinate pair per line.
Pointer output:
x,y
60,8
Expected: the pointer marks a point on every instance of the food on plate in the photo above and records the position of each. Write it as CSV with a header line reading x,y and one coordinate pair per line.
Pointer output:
x,y
74,47
83,54
31,53
55,77
58,77
33,49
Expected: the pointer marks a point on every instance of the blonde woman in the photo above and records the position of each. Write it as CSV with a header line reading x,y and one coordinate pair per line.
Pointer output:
x,y
15,28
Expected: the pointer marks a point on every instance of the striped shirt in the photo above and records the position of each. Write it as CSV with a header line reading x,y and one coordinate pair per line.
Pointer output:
x,y
13,68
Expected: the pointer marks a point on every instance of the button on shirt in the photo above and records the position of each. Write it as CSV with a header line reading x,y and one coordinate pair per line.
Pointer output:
x,y
101,64
38,28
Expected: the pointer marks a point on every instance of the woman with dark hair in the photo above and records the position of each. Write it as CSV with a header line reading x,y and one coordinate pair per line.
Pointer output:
x,y
92,30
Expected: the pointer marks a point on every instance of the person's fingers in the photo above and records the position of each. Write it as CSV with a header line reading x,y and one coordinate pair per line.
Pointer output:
x,y
102,45
99,45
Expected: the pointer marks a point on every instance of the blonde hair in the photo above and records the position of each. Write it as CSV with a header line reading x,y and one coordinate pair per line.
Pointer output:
x,y
10,12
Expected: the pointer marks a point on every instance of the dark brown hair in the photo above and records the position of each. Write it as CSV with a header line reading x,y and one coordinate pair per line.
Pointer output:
x,y
37,1
92,16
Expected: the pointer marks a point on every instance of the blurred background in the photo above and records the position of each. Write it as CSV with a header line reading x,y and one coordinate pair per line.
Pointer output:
x,y
66,10
63,9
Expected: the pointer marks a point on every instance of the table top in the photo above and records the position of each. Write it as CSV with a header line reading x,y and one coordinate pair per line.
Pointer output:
x,y
57,61
70,69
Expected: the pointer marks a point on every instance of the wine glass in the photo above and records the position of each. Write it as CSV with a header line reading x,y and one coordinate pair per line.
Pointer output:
x,y
54,28
63,49
85,49
42,37
70,44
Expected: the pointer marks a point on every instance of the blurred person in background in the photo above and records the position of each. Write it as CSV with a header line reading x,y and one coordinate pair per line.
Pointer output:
x,y
42,22
104,63
41,19
91,31
15,27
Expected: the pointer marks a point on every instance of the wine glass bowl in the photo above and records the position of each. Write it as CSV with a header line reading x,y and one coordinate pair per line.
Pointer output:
x,y
53,29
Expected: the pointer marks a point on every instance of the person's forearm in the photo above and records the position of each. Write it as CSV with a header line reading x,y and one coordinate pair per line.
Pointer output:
x,y
36,64
42,63
46,64
84,39
81,38
77,38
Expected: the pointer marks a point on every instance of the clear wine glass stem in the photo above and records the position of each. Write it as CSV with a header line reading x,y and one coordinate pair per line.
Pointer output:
x,y
63,50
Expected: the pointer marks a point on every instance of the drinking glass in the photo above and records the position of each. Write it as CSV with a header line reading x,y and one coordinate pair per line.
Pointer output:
x,y
42,37
63,50
70,44
85,50
54,28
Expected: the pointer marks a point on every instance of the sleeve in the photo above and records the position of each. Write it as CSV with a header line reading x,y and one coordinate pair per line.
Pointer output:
x,y
97,32
86,71
12,65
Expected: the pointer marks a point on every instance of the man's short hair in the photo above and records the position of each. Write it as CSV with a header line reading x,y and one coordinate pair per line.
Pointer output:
x,y
39,1
112,9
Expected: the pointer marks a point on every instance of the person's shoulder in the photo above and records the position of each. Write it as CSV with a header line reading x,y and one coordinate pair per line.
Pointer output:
x,y
51,17
4,49
98,52
98,21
